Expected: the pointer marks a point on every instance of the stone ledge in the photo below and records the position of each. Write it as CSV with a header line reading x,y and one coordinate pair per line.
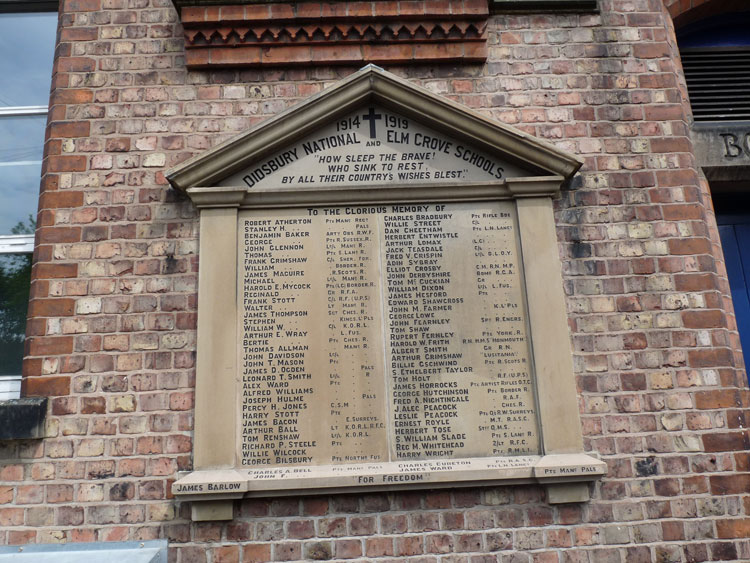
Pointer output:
x,y
290,34
22,419
235,483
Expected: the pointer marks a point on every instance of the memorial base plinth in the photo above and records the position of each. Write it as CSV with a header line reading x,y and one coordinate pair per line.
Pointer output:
x,y
557,471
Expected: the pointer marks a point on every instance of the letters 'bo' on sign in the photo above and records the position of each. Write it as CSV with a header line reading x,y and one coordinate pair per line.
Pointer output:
x,y
380,303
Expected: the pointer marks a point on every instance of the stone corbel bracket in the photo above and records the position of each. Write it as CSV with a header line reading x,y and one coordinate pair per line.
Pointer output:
x,y
341,33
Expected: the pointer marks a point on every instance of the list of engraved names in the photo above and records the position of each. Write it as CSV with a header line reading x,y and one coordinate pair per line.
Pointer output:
x,y
381,333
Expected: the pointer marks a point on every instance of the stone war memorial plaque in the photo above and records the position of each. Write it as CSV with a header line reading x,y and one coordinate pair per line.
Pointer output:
x,y
375,334
397,316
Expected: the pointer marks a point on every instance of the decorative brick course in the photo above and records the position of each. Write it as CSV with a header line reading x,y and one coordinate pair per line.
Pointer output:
x,y
344,33
663,396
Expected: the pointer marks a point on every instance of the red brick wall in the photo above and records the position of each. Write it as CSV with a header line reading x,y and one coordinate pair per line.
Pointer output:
x,y
113,308
678,7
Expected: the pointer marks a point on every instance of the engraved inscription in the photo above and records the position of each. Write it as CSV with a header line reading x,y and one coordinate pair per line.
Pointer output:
x,y
373,146
736,145
381,334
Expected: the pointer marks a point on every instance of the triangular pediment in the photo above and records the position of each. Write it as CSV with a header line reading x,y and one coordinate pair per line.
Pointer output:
x,y
373,129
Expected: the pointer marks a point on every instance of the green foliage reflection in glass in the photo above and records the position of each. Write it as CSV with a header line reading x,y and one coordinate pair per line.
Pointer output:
x,y
15,279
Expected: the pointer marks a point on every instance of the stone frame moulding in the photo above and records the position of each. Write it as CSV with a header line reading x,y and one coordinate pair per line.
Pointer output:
x,y
563,466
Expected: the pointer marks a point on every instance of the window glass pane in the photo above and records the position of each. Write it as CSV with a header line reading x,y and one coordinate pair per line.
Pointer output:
x,y
15,279
27,45
21,146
